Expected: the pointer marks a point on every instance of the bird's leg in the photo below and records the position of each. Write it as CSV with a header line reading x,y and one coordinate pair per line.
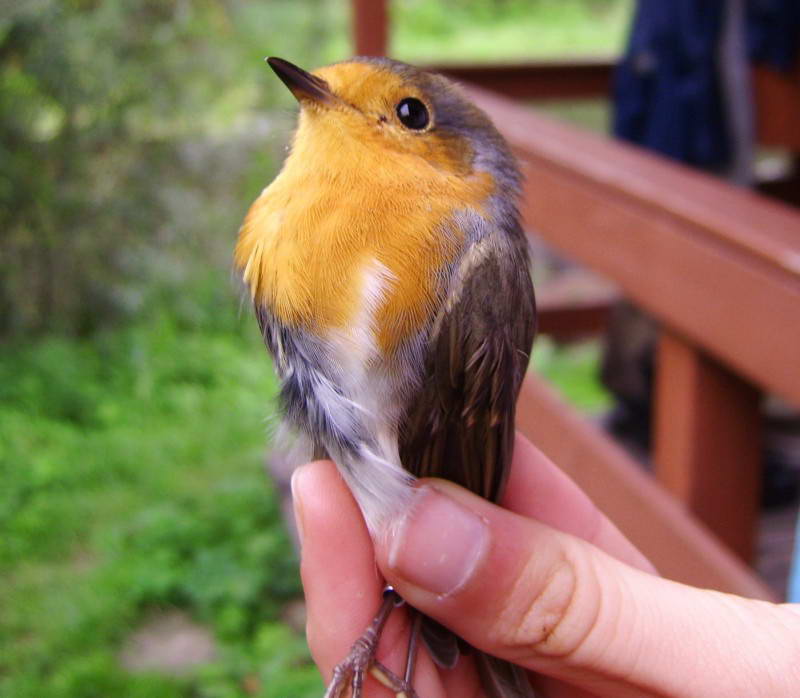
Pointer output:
x,y
411,654
350,673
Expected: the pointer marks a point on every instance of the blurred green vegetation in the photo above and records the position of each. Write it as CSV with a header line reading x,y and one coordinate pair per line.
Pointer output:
x,y
131,136
135,394
133,481
498,30
572,369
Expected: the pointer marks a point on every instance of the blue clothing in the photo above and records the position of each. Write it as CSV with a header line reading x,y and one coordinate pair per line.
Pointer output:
x,y
773,32
667,91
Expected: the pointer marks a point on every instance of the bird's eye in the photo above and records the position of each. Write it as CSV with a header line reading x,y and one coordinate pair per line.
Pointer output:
x,y
412,113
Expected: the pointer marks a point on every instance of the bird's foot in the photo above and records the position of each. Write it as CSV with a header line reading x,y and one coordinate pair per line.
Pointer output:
x,y
350,673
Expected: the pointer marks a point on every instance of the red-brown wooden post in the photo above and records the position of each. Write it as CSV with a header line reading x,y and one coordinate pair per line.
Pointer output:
x,y
708,441
371,27
777,99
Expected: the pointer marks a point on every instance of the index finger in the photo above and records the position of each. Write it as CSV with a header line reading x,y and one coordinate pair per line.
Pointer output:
x,y
538,489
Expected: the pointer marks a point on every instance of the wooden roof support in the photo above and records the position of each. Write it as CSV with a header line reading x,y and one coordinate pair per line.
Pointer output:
x,y
681,548
370,27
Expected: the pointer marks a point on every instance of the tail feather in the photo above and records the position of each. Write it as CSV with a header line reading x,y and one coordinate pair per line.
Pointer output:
x,y
501,679
441,643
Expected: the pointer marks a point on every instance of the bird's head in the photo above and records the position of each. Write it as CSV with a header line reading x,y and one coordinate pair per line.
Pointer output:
x,y
400,113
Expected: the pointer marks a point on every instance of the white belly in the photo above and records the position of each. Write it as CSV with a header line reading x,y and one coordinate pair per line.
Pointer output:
x,y
374,395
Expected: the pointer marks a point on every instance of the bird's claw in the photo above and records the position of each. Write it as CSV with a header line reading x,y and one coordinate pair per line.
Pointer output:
x,y
350,674
401,688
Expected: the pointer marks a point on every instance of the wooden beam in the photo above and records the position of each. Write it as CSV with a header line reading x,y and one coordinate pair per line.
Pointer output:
x,y
568,321
718,264
680,547
370,27
578,78
708,441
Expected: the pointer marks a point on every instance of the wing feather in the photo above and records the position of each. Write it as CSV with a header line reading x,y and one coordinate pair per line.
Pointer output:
x,y
461,424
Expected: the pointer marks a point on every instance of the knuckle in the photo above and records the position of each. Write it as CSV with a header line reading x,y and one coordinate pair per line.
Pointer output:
x,y
548,613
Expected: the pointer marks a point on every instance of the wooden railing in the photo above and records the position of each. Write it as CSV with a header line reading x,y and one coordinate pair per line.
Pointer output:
x,y
717,266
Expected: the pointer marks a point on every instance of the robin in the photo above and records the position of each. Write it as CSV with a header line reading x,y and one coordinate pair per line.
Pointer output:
x,y
390,278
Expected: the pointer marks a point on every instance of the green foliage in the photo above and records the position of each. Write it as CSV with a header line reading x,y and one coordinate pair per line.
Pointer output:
x,y
133,480
111,113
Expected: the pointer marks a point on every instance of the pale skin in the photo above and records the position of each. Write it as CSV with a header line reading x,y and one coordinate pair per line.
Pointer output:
x,y
547,582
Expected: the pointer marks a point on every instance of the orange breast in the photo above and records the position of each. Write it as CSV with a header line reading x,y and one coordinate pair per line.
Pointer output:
x,y
338,206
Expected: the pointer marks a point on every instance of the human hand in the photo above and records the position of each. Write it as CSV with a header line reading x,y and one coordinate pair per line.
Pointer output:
x,y
548,583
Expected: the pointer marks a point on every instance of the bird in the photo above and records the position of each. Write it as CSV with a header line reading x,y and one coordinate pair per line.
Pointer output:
x,y
390,277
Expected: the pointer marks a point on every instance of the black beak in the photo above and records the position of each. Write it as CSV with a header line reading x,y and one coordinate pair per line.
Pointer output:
x,y
302,85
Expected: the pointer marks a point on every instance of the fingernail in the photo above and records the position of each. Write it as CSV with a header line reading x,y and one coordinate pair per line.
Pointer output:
x,y
439,544
296,503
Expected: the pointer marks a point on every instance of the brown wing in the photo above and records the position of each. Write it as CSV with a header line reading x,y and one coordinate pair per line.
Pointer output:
x,y
461,424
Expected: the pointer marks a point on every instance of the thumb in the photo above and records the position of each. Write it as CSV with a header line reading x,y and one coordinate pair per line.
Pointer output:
x,y
555,604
